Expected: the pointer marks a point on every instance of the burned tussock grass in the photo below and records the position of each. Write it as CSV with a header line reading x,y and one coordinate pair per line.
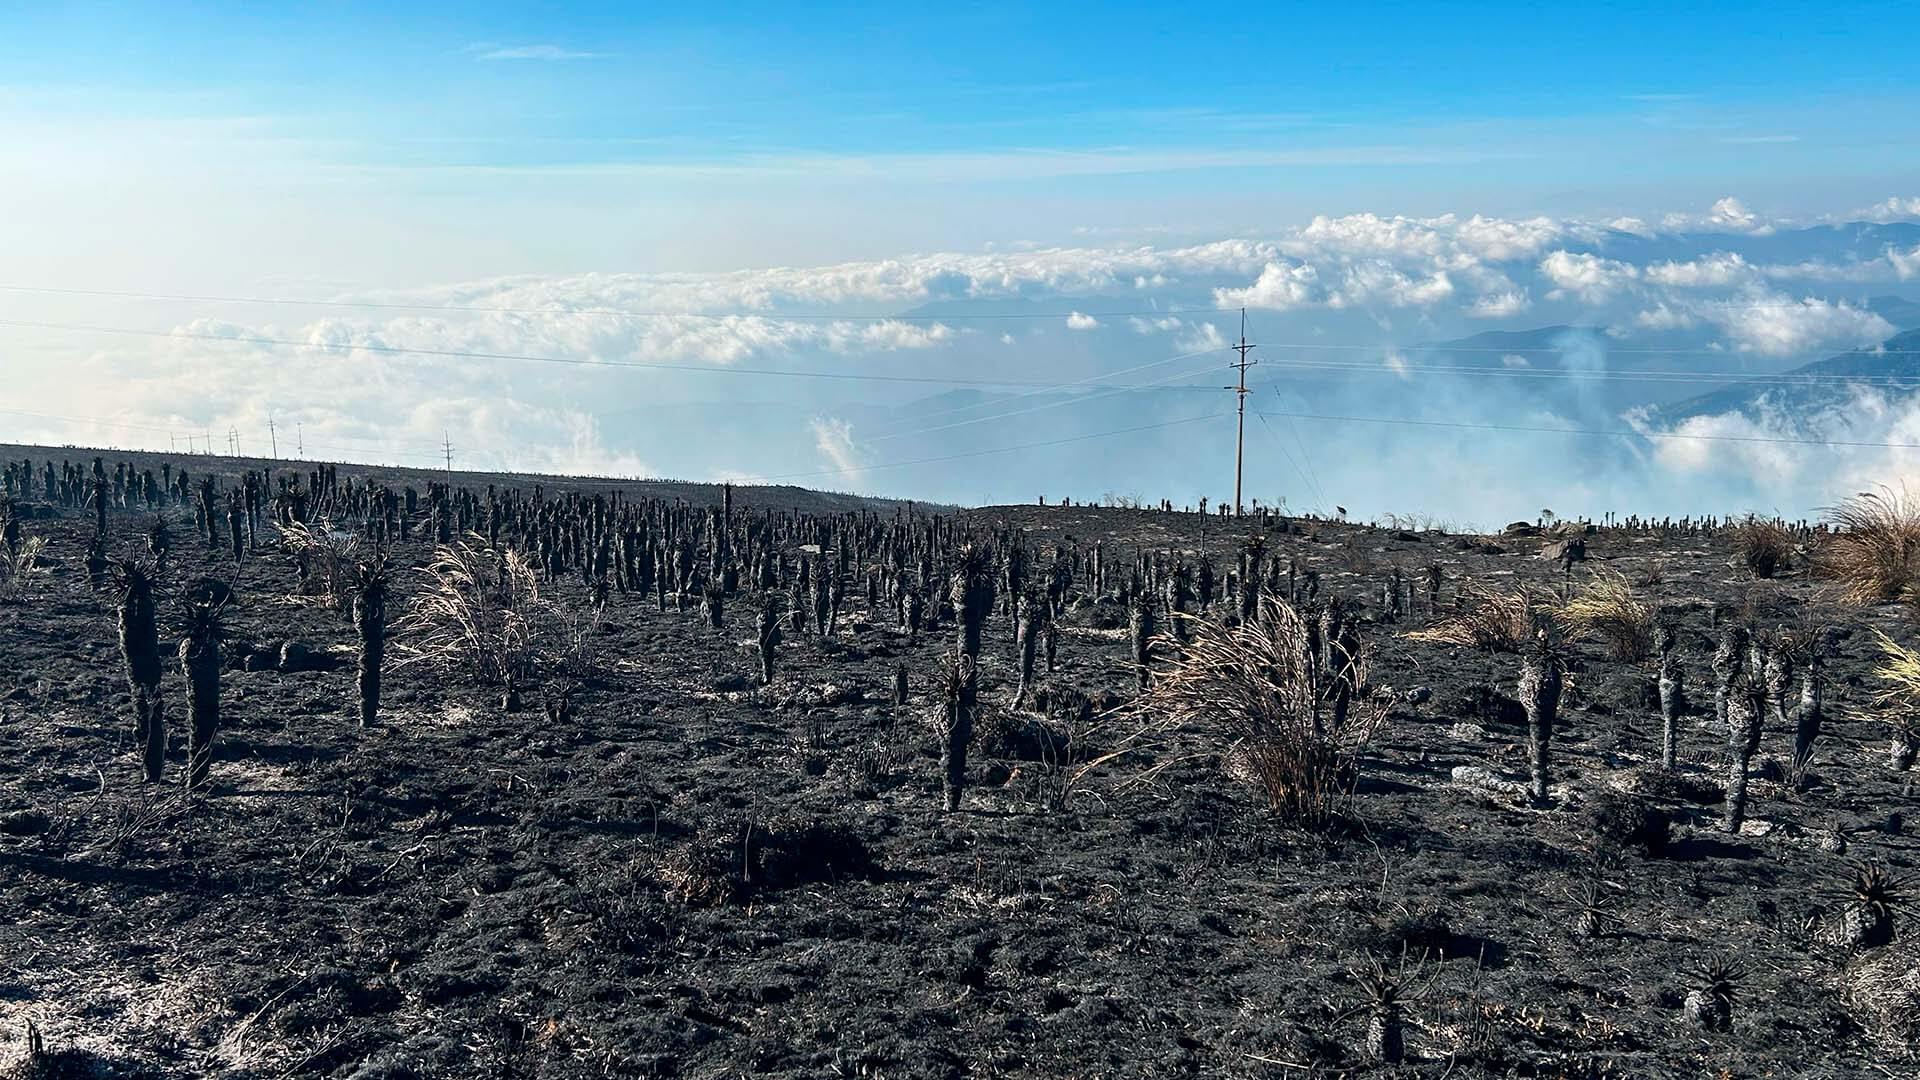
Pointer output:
x,y
1606,608
1287,702
1873,553
1493,620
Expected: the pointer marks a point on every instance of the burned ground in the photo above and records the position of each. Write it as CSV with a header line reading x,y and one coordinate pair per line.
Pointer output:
x,y
691,875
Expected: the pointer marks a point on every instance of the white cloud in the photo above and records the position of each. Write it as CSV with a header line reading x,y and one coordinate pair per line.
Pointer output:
x,y
1357,235
1726,215
1893,209
1378,283
1077,321
1499,305
834,439
1905,264
1280,286
1662,317
1204,338
1718,270
1729,435
1164,324
1588,277
1778,325
1506,241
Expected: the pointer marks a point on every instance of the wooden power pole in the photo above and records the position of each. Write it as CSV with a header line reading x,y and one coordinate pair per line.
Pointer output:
x,y
1240,420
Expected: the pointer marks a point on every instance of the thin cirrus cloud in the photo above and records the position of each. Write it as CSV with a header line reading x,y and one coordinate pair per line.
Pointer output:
x,y
493,51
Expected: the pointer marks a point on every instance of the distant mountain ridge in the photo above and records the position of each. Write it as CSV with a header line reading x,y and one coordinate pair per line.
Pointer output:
x,y
1830,384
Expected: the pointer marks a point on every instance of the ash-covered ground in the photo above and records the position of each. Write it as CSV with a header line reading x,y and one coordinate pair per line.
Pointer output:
x,y
465,891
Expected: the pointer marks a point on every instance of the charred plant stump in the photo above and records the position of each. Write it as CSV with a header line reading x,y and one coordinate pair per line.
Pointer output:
x,y
971,591
1811,715
1744,707
1140,624
200,664
1673,695
1728,662
1542,677
237,526
140,647
370,621
769,640
1030,613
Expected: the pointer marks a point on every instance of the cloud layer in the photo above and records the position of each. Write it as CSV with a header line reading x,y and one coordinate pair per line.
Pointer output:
x,y
842,370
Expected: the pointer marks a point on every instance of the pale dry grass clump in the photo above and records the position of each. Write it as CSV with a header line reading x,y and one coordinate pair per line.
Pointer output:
x,y
1883,992
1606,608
1874,552
1765,546
327,558
1898,670
480,612
1293,717
1495,621
20,566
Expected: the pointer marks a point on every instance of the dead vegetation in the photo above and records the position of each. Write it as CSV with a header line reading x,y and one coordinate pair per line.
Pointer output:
x,y
325,557
1874,551
1290,707
1764,546
480,612
1487,619
747,884
1607,609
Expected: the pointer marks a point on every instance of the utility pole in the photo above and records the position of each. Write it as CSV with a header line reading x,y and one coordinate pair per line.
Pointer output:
x,y
1240,396
274,437
446,445
300,440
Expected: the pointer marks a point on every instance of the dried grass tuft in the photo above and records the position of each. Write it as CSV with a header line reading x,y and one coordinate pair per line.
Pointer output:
x,y
480,612
1495,621
1606,608
327,557
1293,720
20,567
1884,992
1899,670
1875,551
1764,546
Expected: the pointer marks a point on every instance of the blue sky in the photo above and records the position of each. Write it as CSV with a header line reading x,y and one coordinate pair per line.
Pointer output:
x,y
836,131
1363,176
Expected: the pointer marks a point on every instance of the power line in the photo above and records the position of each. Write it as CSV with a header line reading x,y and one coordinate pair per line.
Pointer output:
x,y
1612,375
1597,431
641,365
1522,350
996,450
1087,399
1696,377
617,313
631,313
100,420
